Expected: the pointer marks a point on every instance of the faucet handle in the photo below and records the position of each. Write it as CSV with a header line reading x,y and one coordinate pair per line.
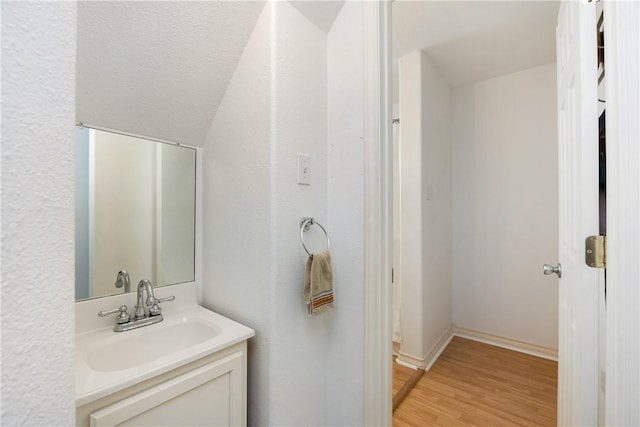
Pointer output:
x,y
121,318
155,309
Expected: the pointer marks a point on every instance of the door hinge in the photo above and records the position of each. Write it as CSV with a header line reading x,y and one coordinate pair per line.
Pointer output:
x,y
595,251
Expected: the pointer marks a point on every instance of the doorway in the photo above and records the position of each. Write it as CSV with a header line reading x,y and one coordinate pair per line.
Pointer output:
x,y
488,157
622,207
476,104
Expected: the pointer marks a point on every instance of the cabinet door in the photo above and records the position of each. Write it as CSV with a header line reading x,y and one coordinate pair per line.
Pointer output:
x,y
211,395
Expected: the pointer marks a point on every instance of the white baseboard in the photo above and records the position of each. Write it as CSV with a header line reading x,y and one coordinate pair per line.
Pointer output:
x,y
396,348
410,361
410,365
437,350
515,345
427,361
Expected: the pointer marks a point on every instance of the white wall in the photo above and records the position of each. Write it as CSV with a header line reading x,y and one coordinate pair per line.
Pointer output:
x,y
505,206
237,260
38,134
299,125
425,223
412,314
275,107
436,206
344,367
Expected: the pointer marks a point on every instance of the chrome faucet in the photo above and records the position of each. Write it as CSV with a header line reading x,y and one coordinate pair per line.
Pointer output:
x,y
147,312
122,279
144,285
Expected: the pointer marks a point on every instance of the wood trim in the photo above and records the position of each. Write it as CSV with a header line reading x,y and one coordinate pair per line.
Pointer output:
x,y
378,167
622,91
508,343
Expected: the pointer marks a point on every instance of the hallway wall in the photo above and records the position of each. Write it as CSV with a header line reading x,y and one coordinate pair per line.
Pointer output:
x,y
505,206
425,222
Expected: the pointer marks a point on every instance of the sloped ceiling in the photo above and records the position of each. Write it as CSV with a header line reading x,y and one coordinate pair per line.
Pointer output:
x,y
322,13
159,68
471,41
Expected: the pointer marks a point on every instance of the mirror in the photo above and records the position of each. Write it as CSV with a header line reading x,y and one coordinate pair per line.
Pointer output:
x,y
135,211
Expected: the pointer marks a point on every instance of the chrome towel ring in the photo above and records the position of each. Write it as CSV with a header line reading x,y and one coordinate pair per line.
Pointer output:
x,y
305,224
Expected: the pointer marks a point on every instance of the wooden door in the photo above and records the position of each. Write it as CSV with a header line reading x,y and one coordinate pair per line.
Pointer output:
x,y
578,173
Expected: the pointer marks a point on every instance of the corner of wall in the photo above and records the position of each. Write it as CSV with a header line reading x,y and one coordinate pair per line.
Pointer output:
x,y
411,209
437,199
252,205
425,172
236,214
345,210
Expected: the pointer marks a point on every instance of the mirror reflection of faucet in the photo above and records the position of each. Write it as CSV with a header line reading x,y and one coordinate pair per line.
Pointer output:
x,y
147,311
122,280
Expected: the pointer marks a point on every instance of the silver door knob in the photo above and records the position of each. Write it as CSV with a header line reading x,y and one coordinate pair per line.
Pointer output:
x,y
551,269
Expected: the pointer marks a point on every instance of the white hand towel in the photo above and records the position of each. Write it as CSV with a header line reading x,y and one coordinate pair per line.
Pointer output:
x,y
318,283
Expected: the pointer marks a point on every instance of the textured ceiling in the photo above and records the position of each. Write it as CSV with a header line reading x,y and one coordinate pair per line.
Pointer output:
x,y
159,68
471,41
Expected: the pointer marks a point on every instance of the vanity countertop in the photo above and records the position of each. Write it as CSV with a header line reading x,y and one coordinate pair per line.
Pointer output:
x,y
108,361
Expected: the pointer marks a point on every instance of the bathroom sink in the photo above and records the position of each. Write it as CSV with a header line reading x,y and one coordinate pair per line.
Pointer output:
x,y
108,361
151,343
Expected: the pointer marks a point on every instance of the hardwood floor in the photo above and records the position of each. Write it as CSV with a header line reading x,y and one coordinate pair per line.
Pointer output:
x,y
481,385
401,374
404,379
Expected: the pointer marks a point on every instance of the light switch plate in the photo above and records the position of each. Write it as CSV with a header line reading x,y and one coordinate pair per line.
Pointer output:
x,y
304,169
429,192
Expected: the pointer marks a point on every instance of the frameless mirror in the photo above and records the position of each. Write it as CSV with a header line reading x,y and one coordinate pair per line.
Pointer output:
x,y
135,212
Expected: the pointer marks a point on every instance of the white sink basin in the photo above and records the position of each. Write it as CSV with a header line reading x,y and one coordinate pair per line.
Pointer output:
x,y
108,361
150,344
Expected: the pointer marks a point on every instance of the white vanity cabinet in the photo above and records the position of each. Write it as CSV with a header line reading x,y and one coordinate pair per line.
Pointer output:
x,y
207,392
